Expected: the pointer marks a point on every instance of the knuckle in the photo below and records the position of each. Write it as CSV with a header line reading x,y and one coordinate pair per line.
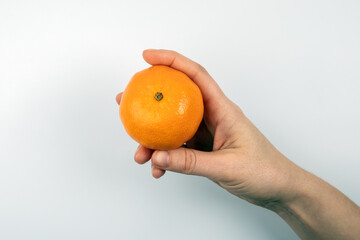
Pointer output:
x,y
172,52
201,68
189,161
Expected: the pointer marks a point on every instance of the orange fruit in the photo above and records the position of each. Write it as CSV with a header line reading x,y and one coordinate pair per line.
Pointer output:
x,y
161,108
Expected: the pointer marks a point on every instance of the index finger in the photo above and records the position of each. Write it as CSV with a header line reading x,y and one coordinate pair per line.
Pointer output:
x,y
209,88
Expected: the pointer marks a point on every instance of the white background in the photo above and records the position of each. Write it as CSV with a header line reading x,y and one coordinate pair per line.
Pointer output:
x,y
66,163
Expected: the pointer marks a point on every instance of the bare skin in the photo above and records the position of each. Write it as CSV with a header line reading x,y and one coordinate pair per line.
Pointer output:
x,y
229,150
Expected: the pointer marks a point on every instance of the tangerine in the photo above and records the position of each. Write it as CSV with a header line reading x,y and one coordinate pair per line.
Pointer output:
x,y
161,108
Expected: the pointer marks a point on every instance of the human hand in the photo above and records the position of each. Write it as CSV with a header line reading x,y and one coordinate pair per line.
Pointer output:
x,y
232,152
227,148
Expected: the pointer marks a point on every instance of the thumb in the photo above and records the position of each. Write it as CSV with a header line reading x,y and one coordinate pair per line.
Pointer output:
x,y
188,161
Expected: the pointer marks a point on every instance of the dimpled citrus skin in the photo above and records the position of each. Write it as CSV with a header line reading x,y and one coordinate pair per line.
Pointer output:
x,y
161,123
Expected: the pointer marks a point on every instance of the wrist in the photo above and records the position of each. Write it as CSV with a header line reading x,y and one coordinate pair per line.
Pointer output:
x,y
295,188
286,185
297,203
317,210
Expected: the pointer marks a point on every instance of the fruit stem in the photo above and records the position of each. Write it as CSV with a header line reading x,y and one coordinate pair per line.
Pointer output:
x,y
158,96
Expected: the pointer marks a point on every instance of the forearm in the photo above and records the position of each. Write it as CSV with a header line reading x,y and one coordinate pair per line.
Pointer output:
x,y
320,211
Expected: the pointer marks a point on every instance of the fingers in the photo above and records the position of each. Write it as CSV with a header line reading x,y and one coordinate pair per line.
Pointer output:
x,y
189,161
142,154
157,172
118,98
209,88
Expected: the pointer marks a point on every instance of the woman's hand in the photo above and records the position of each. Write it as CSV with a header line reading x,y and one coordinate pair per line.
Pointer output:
x,y
232,152
227,148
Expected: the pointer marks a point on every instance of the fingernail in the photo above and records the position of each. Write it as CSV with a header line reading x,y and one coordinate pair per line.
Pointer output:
x,y
137,149
136,152
162,159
